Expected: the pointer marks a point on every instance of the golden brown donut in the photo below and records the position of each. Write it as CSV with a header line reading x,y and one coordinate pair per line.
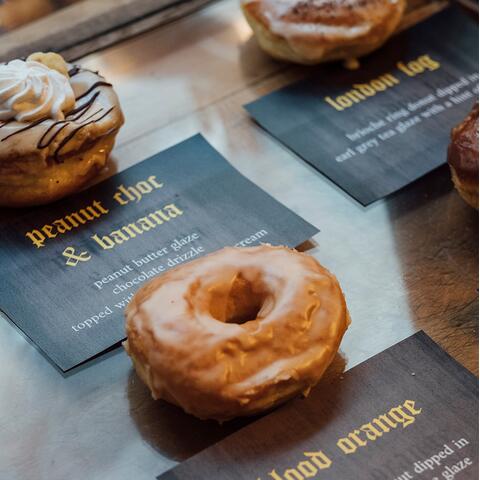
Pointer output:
x,y
463,157
314,31
237,331
58,124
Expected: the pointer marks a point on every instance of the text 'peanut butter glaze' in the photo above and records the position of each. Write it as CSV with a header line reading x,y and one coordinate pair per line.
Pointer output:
x,y
236,332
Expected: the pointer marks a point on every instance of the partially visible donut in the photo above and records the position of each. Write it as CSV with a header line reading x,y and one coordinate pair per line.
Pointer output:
x,y
463,157
237,331
314,31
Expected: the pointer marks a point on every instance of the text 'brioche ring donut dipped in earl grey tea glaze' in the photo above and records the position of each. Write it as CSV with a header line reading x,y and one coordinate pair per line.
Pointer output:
x,y
314,31
58,124
236,332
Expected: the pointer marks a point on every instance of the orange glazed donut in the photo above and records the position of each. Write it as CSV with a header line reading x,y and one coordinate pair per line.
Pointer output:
x,y
237,331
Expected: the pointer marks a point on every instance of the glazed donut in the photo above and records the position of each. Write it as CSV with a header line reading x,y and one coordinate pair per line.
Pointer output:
x,y
314,31
463,157
236,332
58,124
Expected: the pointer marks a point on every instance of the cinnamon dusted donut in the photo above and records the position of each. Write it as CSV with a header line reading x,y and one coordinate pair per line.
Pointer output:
x,y
237,331
463,157
58,124
314,31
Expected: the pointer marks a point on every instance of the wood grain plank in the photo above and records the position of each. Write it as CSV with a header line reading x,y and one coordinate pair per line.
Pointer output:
x,y
89,25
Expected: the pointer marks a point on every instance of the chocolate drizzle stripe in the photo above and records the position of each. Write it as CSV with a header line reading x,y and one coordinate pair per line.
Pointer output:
x,y
93,87
93,114
5,123
74,132
74,70
82,109
40,143
77,69
28,127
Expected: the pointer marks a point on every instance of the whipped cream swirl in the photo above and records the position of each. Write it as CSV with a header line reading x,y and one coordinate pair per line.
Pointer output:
x,y
30,91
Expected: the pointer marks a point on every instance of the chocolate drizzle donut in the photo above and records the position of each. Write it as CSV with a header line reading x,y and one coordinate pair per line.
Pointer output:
x,y
72,117
46,158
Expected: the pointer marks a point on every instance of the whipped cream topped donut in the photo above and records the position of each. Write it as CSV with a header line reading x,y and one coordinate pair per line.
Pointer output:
x,y
57,126
312,31
91,108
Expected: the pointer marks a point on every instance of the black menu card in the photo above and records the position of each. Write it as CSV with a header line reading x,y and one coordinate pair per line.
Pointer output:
x,y
410,412
376,129
69,269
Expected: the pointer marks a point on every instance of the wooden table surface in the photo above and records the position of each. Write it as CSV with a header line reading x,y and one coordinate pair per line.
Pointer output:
x,y
406,263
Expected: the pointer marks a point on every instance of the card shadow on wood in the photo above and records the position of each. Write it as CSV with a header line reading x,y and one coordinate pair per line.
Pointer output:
x,y
110,169
178,435
252,59
442,288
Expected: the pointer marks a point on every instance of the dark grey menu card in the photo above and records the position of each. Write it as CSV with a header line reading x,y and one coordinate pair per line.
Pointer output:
x,y
410,412
69,269
376,129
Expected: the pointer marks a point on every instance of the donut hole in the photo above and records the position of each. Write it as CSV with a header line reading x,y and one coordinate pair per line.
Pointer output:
x,y
241,303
